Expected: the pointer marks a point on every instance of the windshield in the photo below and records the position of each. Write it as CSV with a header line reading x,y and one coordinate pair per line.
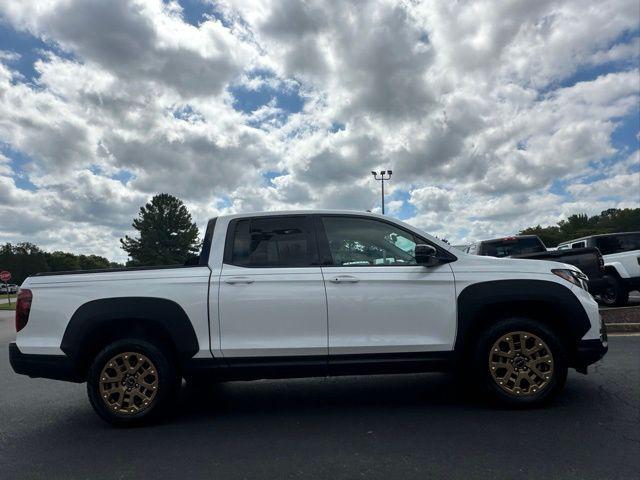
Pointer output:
x,y
508,247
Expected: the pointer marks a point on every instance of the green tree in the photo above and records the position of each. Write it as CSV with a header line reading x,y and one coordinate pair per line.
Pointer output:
x,y
62,261
94,262
26,259
579,225
167,234
22,260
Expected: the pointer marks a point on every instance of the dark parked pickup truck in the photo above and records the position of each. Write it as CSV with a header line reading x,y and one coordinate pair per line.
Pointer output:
x,y
589,260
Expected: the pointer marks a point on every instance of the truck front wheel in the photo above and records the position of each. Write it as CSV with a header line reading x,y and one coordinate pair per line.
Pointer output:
x,y
131,382
520,362
615,294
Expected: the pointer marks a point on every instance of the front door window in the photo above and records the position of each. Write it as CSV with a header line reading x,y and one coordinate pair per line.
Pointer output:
x,y
365,242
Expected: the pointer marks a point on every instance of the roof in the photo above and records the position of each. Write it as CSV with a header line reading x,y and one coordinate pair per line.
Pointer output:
x,y
598,235
303,212
506,237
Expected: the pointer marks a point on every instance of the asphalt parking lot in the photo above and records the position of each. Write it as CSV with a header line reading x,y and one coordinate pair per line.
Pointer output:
x,y
407,426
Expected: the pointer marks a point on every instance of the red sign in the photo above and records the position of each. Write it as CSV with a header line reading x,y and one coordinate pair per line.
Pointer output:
x,y
5,276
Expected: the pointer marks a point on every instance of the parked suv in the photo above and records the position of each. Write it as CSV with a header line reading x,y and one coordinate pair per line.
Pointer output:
x,y
621,254
300,294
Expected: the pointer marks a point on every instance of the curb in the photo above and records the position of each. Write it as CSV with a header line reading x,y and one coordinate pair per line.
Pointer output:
x,y
621,314
621,320
623,327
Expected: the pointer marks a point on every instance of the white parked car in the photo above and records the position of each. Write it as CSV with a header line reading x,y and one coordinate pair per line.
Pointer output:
x,y
621,255
297,294
8,288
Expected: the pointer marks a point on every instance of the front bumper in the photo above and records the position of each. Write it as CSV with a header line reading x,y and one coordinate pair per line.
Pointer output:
x,y
590,351
57,367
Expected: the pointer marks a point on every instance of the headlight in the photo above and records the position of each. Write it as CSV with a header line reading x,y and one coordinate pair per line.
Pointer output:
x,y
577,278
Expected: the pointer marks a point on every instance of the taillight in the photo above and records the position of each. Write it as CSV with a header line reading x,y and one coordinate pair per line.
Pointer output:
x,y
23,307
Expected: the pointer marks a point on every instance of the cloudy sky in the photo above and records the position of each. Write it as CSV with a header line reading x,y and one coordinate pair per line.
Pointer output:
x,y
493,116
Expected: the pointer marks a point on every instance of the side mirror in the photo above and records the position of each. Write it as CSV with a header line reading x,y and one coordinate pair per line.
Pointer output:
x,y
426,255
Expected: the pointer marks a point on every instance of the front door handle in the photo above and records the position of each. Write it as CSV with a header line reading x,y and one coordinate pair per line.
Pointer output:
x,y
235,280
344,279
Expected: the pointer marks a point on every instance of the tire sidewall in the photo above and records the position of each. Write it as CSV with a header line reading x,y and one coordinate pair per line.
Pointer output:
x,y
486,382
167,382
621,296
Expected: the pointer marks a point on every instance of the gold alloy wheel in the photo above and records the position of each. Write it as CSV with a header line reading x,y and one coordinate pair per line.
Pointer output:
x,y
521,363
128,383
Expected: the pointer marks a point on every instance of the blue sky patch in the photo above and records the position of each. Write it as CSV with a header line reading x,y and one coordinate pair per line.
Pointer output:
x,y
195,12
29,48
187,113
18,162
269,175
407,210
287,96
337,127
123,176
625,137
559,187
224,202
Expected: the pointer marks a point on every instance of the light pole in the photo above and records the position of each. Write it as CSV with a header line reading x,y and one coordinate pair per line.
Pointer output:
x,y
381,176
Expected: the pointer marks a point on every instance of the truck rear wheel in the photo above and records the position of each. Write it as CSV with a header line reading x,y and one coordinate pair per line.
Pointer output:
x,y
520,362
131,382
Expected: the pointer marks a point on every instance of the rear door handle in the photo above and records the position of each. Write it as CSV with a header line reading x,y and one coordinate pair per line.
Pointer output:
x,y
235,280
344,279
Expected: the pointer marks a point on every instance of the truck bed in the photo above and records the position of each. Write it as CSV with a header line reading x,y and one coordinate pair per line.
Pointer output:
x,y
587,259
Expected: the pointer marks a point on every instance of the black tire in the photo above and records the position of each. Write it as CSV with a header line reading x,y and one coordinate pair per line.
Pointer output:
x,y
488,382
615,294
159,369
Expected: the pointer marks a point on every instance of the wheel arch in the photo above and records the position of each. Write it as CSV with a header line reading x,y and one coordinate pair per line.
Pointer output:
x,y
100,322
615,269
482,304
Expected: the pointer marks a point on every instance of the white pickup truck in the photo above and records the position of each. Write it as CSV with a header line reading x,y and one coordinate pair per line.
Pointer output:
x,y
314,293
621,256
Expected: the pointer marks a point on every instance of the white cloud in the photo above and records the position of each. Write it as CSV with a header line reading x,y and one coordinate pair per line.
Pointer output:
x,y
474,105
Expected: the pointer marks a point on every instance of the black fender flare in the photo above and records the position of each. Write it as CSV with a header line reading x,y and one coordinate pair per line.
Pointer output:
x,y
116,312
548,301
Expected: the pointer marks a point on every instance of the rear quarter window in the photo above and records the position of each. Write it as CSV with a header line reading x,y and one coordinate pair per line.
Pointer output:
x,y
511,246
611,244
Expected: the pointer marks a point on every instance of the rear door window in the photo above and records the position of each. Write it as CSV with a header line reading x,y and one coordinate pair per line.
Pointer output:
x,y
272,242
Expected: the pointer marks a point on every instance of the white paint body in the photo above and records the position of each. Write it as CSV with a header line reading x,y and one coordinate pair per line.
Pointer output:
x,y
625,263
246,312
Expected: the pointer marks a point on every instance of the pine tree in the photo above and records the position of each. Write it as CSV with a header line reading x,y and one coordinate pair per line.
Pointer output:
x,y
168,235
